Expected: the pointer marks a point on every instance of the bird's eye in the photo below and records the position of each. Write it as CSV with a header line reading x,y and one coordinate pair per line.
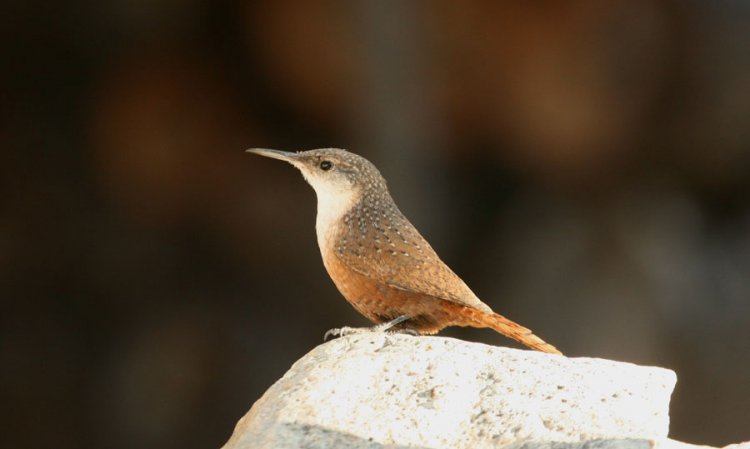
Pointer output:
x,y
326,165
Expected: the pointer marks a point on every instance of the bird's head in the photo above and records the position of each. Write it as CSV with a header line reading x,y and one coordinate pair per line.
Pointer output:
x,y
331,171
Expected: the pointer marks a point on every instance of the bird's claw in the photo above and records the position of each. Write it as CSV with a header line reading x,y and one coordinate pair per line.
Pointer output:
x,y
331,333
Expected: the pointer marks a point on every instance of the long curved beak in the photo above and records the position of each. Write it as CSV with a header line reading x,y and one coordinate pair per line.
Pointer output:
x,y
274,154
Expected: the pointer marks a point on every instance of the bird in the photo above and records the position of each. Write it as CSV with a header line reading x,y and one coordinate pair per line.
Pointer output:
x,y
379,261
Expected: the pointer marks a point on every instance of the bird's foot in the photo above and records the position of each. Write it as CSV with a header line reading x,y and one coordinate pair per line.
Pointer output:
x,y
386,327
346,330
405,331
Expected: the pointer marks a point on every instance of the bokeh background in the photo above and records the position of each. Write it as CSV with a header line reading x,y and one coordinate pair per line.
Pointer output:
x,y
583,165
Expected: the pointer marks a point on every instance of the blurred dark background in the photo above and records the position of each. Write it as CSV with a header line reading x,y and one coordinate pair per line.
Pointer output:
x,y
583,165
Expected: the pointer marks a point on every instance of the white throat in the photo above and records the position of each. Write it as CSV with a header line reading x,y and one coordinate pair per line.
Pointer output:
x,y
334,201
332,206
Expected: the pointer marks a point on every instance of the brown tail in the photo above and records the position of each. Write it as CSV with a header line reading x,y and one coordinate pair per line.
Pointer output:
x,y
511,330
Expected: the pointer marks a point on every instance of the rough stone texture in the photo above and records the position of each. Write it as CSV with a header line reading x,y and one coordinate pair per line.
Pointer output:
x,y
664,443
378,390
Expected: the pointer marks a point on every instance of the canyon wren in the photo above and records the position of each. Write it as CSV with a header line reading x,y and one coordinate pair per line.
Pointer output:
x,y
377,258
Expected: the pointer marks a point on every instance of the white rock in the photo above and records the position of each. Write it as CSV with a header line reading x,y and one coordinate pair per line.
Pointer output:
x,y
378,390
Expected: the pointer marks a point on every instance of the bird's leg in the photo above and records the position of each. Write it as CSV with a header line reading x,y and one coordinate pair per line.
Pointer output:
x,y
388,325
382,327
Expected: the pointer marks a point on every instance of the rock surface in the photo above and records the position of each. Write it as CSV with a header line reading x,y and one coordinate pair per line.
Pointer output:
x,y
378,390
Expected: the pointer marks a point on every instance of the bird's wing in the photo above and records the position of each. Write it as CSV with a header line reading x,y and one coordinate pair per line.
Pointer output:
x,y
395,254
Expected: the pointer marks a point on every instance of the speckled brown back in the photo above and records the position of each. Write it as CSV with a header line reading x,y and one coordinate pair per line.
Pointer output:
x,y
376,240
